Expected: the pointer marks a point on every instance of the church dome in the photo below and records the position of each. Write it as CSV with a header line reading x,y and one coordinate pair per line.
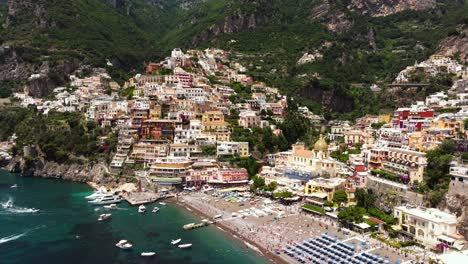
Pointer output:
x,y
321,144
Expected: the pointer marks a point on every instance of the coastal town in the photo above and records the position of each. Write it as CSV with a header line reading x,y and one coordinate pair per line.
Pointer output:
x,y
362,191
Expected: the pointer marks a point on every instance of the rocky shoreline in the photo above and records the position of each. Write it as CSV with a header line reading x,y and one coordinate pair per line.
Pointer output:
x,y
75,172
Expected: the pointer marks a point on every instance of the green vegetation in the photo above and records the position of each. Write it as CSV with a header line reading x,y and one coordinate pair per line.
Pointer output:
x,y
60,136
365,206
260,139
340,197
386,175
437,176
314,208
378,125
343,153
249,163
209,150
283,194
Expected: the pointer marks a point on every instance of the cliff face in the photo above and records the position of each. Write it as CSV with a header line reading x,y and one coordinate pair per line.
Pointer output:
x,y
232,24
70,172
456,44
336,19
388,7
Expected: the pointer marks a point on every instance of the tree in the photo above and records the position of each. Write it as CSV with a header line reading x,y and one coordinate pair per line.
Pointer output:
x,y
353,214
271,186
340,197
209,150
258,183
365,199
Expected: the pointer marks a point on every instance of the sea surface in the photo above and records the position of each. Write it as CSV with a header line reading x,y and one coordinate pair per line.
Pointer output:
x,y
66,230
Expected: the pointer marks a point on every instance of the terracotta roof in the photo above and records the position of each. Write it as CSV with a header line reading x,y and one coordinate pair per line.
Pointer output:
x,y
375,220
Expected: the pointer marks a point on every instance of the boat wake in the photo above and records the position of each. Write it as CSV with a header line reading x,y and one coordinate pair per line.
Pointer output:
x,y
12,237
16,236
21,210
10,208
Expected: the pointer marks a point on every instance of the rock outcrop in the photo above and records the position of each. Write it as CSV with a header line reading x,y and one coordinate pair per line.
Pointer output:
x,y
232,24
456,44
388,7
71,172
337,20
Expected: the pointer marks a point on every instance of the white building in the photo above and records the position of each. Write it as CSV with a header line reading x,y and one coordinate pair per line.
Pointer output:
x,y
186,135
232,148
428,226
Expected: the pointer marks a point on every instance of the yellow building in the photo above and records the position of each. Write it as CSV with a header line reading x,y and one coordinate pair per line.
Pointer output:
x,y
321,190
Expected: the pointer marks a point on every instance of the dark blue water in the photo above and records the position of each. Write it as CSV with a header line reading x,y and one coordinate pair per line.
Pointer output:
x,y
66,230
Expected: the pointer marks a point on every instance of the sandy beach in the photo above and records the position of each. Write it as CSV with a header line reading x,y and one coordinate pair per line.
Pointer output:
x,y
270,226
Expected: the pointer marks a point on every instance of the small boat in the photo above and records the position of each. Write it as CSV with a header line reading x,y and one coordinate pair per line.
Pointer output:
x,y
218,216
111,206
34,210
155,209
148,254
141,209
8,204
103,217
185,245
14,186
123,244
176,241
162,203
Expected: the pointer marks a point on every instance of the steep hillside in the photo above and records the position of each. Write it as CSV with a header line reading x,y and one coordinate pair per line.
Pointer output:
x,y
53,38
361,41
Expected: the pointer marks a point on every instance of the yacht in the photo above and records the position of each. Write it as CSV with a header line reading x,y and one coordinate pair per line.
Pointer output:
x,y
185,245
97,194
104,217
141,209
148,254
106,199
123,244
176,241
155,209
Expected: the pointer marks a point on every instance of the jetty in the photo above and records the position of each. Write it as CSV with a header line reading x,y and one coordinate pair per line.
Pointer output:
x,y
138,198
194,226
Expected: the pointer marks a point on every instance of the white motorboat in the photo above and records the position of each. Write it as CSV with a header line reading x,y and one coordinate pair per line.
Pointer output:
x,y
185,245
107,199
162,203
14,186
123,244
218,216
103,217
148,254
176,241
155,209
8,204
141,209
111,206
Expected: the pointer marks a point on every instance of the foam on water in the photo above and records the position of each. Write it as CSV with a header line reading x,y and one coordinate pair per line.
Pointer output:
x,y
10,238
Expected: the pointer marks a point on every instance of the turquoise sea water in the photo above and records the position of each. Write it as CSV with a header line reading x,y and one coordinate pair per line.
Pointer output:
x,y
66,230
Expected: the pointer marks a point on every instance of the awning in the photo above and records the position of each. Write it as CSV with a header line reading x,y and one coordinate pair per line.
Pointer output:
x,y
362,225
444,238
